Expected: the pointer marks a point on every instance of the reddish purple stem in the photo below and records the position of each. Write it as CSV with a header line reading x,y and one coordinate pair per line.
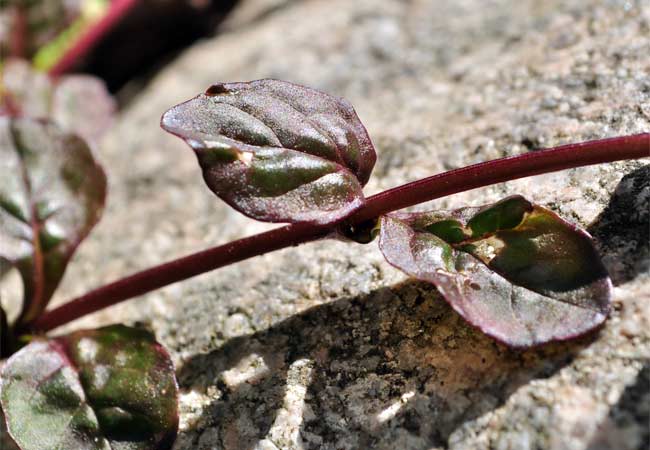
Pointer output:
x,y
18,40
454,181
505,169
85,43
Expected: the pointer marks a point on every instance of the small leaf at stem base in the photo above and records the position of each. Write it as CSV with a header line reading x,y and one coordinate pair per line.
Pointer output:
x,y
515,270
113,387
277,151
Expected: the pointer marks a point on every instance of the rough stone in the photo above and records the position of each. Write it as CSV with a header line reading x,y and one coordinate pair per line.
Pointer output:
x,y
327,346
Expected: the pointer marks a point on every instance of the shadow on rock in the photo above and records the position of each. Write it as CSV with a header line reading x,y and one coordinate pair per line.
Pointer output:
x,y
622,231
624,428
397,368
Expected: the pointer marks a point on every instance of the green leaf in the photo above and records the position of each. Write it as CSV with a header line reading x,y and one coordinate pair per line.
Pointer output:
x,y
515,270
110,388
51,195
276,151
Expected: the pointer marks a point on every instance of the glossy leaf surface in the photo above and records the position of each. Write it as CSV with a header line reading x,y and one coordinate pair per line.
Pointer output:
x,y
51,195
515,270
110,388
276,151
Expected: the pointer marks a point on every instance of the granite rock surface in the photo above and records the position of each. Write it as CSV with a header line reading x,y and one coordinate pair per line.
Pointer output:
x,y
325,346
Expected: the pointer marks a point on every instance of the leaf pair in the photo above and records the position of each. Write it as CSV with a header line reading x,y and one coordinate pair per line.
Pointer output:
x,y
279,152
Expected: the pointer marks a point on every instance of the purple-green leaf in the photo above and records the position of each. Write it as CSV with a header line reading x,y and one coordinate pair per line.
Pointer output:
x,y
517,271
277,151
51,195
109,388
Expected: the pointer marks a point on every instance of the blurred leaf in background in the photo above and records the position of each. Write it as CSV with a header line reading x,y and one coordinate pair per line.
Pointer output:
x,y
43,29
116,40
79,104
